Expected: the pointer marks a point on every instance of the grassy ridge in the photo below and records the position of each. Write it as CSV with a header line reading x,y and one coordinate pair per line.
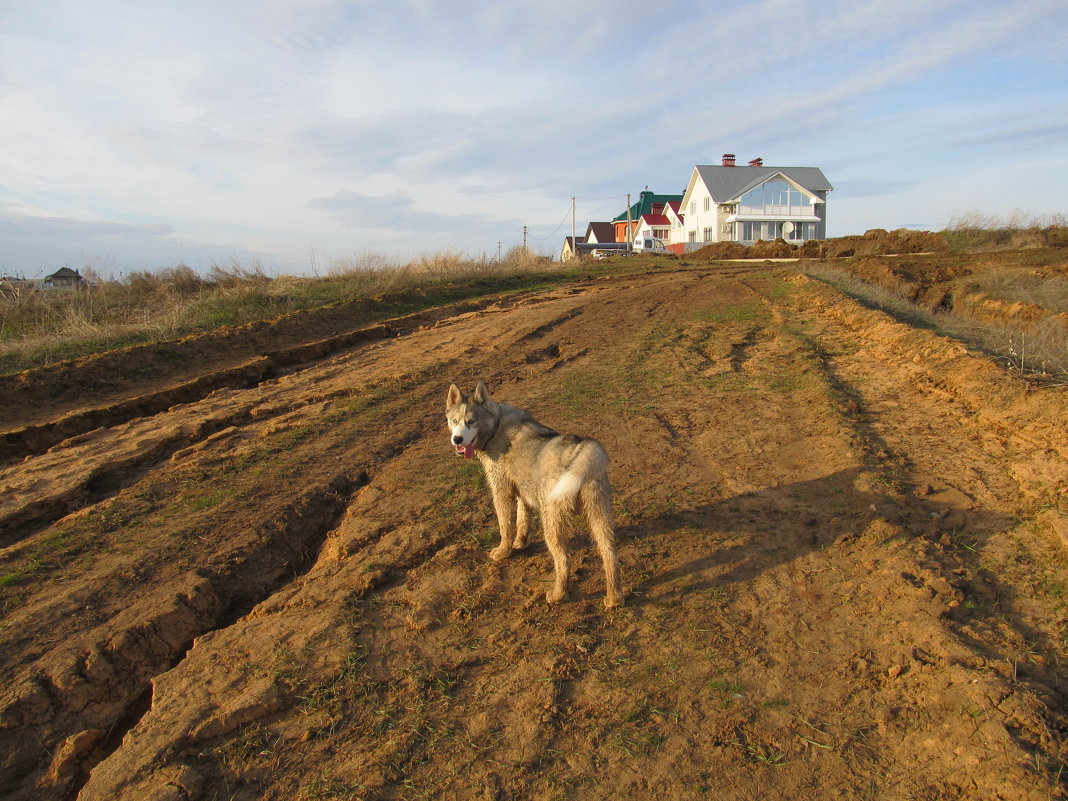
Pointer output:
x,y
41,328
974,232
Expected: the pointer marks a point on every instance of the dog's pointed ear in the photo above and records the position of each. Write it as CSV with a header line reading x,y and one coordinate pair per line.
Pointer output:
x,y
482,394
454,396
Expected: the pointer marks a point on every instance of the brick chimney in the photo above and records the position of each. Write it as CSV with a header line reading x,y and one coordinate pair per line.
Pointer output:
x,y
728,159
757,162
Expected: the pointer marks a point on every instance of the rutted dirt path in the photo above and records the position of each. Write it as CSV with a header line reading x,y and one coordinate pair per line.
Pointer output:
x,y
41,408
842,536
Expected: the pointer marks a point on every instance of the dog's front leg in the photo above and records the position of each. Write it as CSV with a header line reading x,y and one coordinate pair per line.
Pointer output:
x,y
522,524
504,498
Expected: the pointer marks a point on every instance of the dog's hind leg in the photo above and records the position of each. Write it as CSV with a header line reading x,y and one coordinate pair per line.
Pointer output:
x,y
554,518
596,503
522,524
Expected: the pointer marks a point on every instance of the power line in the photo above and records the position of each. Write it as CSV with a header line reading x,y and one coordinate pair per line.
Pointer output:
x,y
571,210
557,228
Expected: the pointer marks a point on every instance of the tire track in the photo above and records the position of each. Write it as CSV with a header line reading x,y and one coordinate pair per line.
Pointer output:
x,y
975,468
107,679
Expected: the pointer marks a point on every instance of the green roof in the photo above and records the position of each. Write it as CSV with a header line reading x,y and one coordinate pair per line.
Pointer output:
x,y
645,205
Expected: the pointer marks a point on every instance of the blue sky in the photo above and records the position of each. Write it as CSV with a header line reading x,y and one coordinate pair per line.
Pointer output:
x,y
290,133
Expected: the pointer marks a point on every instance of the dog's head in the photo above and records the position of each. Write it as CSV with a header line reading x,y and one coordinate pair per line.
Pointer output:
x,y
472,419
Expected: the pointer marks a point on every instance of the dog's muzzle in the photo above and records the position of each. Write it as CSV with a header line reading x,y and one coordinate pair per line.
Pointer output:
x,y
466,451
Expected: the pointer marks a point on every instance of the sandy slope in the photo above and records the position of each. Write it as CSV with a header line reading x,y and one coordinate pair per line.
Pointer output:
x,y
843,539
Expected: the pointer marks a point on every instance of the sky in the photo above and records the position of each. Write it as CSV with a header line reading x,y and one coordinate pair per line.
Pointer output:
x,y
290,134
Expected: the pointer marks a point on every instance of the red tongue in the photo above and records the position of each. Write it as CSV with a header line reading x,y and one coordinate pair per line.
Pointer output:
x,y
467,450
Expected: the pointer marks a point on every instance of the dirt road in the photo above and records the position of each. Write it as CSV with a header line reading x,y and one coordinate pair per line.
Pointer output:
x,y
843,538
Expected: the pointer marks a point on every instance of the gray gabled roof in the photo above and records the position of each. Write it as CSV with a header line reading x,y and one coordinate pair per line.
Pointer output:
x,y
728,183
64,272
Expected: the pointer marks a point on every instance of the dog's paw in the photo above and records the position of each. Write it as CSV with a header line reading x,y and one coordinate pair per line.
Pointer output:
x,y
499,553
555,595
519,545
613,601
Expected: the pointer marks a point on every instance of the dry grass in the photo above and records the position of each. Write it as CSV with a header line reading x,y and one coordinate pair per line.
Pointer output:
x,y
975,231
38,327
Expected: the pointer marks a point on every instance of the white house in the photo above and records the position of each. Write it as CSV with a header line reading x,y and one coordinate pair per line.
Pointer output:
x,y
656,225
745,204
676,223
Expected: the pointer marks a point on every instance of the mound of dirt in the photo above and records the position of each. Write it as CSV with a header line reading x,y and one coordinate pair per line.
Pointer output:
x,y
874,242
940,281
878,241
721,250
778,249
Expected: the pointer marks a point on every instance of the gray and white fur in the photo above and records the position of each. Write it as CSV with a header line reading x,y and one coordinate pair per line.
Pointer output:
x,y
529,466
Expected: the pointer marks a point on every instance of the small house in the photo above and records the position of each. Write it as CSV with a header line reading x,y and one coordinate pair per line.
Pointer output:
x,y
64,278
569,249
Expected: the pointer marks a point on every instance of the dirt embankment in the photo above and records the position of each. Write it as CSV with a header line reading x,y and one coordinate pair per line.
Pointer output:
x,y
1016,301
876,241
843,538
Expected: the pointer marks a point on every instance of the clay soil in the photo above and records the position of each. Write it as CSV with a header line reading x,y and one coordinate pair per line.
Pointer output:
x,y
844,541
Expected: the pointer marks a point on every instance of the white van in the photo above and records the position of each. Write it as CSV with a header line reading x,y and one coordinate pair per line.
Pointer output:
x,y
649,244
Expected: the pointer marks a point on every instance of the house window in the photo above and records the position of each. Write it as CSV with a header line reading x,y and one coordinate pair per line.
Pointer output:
x,y
767,231
801,231
693,236
693,207
775,197
709,233
707,201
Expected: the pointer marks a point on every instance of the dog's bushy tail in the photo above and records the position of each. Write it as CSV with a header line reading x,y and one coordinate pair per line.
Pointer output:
x,y
584,486
590,461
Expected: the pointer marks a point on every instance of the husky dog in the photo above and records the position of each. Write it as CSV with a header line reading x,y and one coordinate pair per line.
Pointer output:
x,y
529,466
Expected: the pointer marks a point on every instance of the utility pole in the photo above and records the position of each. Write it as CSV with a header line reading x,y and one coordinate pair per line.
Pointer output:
x,y
574,242
524,240
629,237
498,251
